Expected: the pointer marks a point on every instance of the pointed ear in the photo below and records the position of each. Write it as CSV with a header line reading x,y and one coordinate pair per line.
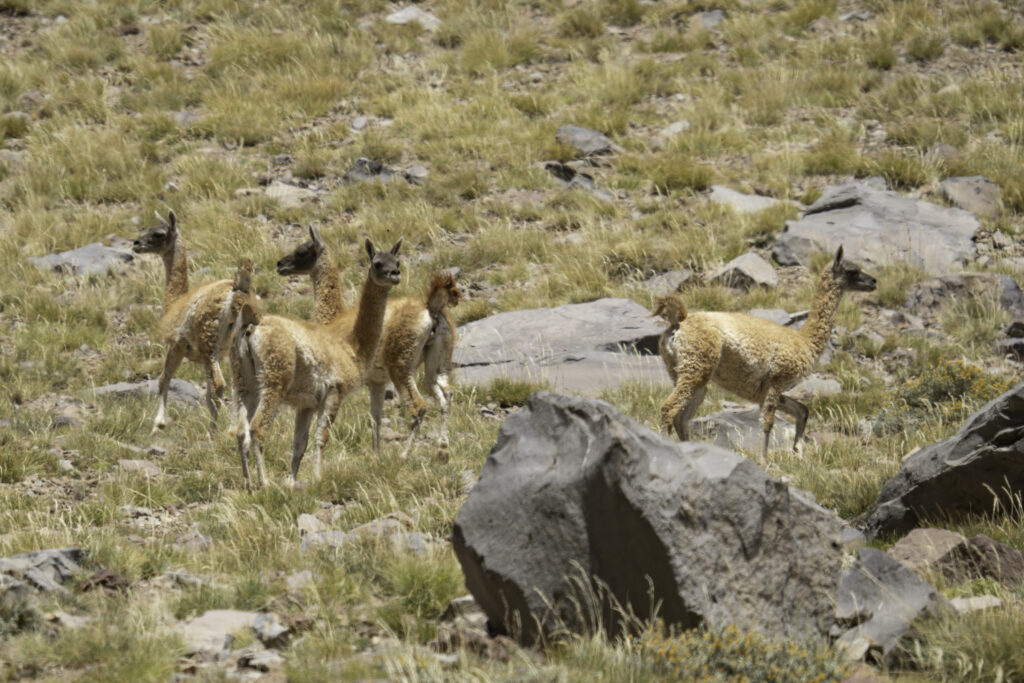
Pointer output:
x,y
839,254
318,241
172,220
398,245
369,248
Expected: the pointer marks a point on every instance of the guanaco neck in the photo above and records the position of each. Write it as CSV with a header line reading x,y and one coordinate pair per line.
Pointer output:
x,y
176,273
369,323
326,290
822,318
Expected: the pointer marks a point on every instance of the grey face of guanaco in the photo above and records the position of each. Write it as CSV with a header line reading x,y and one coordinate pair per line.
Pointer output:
x,y
850,275
157,239
384,266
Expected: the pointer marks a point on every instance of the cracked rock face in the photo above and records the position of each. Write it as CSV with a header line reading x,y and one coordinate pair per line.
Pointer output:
x,y
574,489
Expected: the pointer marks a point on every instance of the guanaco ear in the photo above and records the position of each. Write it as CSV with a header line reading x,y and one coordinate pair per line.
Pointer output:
x,y
369,248
172,220
839,255
318,241
398,245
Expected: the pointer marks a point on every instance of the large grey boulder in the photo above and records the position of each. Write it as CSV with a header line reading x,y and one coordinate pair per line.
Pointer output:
x,y
180,391
975,194
745,272
581,348
740,429
574,489
928,297
965,473
92,259
879,227
212,634
44,570
878,601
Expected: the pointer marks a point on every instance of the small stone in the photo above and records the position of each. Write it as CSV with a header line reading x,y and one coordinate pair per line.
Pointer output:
x,y
299,580
979,602
1015,329
739,202
711,19
308,524
816,385
1000,240
269,629
147,468
261,660
410,14
586,141
33,100
1013,347
66,465
674,129
417,174
358,123
745,272
193,540
288,196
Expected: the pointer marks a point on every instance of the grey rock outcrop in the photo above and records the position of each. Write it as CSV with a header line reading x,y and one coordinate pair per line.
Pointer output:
x,y
879,599
879,227
587,142
92,259
576,347
44,570
573,489
982,557
180,390
570,177
211,635
740,429
922,548
983,461
410,14
928,297
975,194
745,272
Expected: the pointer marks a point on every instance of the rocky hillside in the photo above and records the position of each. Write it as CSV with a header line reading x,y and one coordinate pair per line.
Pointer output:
x,y
574,160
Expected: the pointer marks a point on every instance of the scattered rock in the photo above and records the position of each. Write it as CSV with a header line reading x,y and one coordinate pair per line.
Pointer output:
x,y
107,581
857,15
670,282
975,194
922,548
288,196
261,660
739,429
1015,329
369,169
64,621
745,272
739,202
574,487
192,540
393,523
44,570
179,391
975,604
147,468
570,177
711,18
587,142
878,227
403,542
965,473
417,174
1013,347
576,347
982,558
33,100
299,580
92,259
185,119
928,297
879,599
270,631
309,524
674,129
212,634
410,14
358,123
816,385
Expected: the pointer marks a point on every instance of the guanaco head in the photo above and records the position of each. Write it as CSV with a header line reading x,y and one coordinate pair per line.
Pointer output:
x,y
243,275
158,239
849,275
304,258
384,267
443,290
671,308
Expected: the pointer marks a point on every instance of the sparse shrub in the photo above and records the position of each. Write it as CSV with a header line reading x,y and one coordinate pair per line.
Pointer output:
x,y
532,104
880,53
925,47
900,170
14,125
735,655
579,23
512,393
805,12
894,281
974,321
622,12
165,41
311,163
834,154
946,389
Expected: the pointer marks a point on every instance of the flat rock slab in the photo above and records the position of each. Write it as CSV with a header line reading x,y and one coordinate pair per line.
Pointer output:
x,y
587,142
922,548
91,259
975,194
583,348
573,489
288,196
877,228
410,14
963,474
739,202
212,633
180,390
745,272
879,599
740,429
